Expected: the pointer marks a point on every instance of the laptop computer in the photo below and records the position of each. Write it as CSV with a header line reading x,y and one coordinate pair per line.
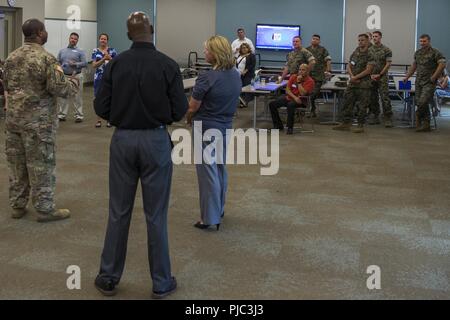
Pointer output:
x,y
270,86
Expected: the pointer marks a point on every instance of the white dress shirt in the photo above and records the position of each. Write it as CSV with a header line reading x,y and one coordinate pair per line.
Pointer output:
x,y
237,44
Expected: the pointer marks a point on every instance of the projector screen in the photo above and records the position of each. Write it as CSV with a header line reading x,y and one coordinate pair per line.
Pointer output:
x,y
275,37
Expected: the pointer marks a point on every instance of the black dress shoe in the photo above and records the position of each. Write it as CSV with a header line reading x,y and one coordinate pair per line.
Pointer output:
x,y
105,286
163,294
203,226
290,131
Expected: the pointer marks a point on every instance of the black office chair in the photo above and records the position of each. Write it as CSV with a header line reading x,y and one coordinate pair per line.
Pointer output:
x,y
300,114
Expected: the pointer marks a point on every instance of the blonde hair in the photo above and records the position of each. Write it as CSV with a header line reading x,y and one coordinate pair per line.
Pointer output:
x,y
219,47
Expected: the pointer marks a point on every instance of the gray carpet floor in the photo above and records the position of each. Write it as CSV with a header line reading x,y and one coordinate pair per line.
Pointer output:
x,y
340,203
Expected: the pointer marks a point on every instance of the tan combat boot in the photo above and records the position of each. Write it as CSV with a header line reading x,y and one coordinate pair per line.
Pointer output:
x,y
425,127
19,213
358,129
59,214
344,126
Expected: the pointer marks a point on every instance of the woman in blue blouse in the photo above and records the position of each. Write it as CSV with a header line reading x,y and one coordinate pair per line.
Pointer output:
x,y
101,57
212,106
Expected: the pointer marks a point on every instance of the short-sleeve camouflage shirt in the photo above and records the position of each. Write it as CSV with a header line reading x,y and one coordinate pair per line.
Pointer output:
x,y
321,56
427,61
382,55
358,63
296,58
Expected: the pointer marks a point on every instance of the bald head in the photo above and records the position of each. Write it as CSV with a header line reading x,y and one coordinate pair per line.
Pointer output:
x,y
34,31
139,27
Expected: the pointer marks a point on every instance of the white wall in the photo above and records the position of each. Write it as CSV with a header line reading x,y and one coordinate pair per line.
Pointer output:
x,y
31,8
398,25
28,9
58,36
59,27
57,9
183,26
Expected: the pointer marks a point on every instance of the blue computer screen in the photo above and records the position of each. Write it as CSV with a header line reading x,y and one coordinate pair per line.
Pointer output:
x,y
275,37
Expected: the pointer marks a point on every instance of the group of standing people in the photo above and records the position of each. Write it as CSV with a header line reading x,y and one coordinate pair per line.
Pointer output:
x,y
150,99
368,68
140,147
73,60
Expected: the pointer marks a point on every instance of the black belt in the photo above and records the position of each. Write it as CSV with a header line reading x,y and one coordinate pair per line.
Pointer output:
x,y
162,127
71,74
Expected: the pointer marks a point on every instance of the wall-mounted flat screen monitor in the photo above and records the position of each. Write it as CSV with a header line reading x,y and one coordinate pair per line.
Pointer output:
x,y
275,37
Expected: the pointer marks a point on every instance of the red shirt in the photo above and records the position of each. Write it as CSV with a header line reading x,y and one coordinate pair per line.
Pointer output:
x,y
307,84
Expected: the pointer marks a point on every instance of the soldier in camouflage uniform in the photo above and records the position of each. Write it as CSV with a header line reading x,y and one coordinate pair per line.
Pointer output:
x,y
380,78
374,106
297,57
429,63
321,67
2,91
360,67
33,80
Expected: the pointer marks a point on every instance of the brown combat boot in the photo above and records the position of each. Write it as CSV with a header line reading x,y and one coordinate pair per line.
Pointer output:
x,y
374,120
59,214
358,129
388,122
18,213
344,126
425,127
418,122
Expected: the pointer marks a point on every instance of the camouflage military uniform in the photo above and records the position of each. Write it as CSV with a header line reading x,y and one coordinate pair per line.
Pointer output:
x,y
296,58
33,80
427,61
374,101
2,92
380,88
358,92
318,72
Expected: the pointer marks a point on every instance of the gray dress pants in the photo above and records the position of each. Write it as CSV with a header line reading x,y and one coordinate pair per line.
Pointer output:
x,y
139,155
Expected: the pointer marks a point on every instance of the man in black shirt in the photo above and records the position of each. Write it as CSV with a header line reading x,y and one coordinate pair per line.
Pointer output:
x,y
141,93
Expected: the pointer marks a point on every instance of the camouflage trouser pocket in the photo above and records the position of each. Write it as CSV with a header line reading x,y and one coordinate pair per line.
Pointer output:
x,y
43,169
2,105
46,145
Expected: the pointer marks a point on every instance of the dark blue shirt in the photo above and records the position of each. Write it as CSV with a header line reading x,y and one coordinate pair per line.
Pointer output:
x,y
219,92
